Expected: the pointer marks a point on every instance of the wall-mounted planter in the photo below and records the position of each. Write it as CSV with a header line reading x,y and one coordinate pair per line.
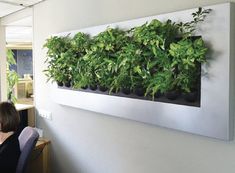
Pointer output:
x,y
158,58
173,97
214,117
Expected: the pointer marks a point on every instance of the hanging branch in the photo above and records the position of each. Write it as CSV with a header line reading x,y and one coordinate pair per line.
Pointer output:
x,y
188,28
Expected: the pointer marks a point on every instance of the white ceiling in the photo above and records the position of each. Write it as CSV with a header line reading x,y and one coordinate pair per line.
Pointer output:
x,y
6,9
22,2
10,6
20,31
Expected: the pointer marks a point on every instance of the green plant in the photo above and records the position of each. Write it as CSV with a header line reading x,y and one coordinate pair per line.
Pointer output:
x,y
156,56
182,58
12,76
78,67
127,67
84,74
155,34
187,29
59,59
162,81
187,55
155,38
104,53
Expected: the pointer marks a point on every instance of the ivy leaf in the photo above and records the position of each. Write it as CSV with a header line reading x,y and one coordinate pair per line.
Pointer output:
x,y
137,69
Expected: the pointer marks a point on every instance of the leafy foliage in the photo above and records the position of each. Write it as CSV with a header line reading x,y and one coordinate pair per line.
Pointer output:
x,y
187,55
156,56
103,53
187,29
12,76
58,59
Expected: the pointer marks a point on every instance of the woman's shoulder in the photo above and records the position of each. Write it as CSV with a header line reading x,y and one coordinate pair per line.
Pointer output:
x,y
11,142
9,154
12,139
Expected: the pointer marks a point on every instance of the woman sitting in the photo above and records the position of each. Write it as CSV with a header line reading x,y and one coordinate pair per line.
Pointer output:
x,y
9,144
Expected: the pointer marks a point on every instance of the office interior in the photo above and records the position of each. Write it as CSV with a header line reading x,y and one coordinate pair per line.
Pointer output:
x,y
83,141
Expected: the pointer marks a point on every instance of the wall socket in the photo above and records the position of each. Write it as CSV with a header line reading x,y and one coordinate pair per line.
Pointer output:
x,y
45,114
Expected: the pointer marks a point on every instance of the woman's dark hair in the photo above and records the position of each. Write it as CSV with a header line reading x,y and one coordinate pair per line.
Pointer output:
x,y
9,117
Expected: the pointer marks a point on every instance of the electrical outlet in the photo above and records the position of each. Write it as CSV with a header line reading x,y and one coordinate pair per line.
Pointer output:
x,y
45,114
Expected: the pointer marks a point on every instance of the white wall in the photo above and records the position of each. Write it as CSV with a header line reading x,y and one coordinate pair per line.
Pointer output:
x,y
88,142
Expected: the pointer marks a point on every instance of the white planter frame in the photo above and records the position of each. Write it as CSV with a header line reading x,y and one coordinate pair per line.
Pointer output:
x,y
215,116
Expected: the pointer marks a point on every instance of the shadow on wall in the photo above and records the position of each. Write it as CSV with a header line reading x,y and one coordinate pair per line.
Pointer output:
x,y
58,151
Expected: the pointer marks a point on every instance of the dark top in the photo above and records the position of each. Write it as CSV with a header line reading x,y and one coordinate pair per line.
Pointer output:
x,y
9,154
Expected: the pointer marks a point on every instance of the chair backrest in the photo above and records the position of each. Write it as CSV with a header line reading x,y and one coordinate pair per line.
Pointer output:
x,y
27,140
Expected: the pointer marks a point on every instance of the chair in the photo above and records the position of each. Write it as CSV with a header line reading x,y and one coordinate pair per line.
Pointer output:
x,y
27,140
